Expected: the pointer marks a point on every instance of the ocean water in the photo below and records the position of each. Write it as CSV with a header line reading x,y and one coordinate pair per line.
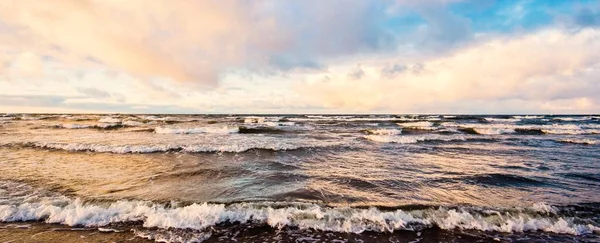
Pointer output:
x,y
306,178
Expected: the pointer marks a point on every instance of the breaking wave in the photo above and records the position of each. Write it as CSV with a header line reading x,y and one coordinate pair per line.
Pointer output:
x,y
196,130
106,126
201,216
191,148
421,125
579,141
491,119
109,120
414,139
384,131
496,129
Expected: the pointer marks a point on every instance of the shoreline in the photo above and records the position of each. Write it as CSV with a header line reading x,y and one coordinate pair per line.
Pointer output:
x,y
43,232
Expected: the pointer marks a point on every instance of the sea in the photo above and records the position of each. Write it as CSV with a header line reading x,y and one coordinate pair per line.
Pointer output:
x,y
299,178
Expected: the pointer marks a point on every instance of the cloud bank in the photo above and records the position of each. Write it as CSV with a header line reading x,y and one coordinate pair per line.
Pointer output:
x,y
300,56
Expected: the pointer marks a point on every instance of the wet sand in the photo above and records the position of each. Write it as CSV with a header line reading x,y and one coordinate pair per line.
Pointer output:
x,y
40,232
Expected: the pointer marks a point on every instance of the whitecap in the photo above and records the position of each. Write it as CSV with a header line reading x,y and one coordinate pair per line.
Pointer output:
x,y
201,216
195,130
422,125
109,120
385,131
491,119
414,139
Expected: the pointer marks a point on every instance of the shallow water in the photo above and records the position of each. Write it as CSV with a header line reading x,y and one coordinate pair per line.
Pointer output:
x,y
297,177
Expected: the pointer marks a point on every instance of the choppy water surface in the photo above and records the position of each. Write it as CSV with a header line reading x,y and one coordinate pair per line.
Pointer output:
x,y
220,178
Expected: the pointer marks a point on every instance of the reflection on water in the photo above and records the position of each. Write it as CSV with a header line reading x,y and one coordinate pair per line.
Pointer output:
x,y
326,161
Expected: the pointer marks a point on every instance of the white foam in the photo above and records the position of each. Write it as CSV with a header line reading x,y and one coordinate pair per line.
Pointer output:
x,y
493,131
75,126
84,126
236,145
75,212
350,119
133,123
503,128
579,141
254,119
572,118
109,120
106,148
491,119
528,117
414,139
195,130
422,125
385,131
267,121
567,129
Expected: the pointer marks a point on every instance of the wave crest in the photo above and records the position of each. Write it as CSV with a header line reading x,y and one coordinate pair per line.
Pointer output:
x,y
62,210
196,130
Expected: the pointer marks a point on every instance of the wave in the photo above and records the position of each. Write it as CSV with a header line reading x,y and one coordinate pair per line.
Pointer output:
x,y
528,117
108,126
491,119
495,129
572,118
261,119
196,130
260,130
157,148
384,131
414,139
350,119
304,216
579,141
132,123
109,120
421,125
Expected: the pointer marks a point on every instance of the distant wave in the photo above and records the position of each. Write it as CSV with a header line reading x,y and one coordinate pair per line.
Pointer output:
x,y
195,130
109,120
496,129
159,148
222,130
528,117
107,126
414,139
384,131
585,118
579,141
132,123
420,125
491,119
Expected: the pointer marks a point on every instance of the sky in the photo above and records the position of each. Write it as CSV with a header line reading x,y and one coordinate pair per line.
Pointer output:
x,y
300,56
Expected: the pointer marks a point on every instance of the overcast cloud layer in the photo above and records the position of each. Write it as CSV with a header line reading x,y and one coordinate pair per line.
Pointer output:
x,y
309,56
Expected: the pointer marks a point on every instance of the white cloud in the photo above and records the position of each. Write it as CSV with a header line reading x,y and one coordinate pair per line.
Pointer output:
x,y
554,69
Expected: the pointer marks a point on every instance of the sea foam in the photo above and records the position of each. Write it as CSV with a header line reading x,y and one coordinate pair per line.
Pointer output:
x,y
200,216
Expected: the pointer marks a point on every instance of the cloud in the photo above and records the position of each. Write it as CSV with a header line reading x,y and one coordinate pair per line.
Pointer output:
x,y
149,39
393,70
298,55
498,70
198,41
94,92
356,73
